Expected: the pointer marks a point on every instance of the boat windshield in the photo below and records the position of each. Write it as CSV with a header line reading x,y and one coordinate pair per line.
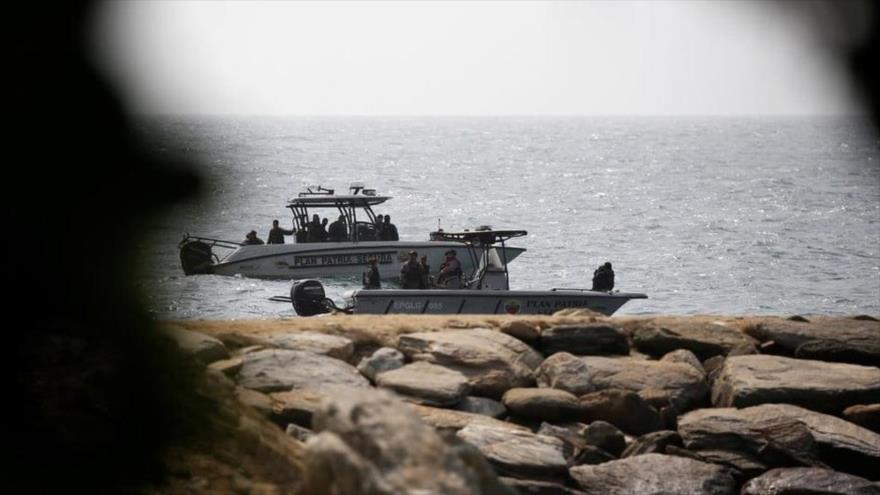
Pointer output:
x,y
358,202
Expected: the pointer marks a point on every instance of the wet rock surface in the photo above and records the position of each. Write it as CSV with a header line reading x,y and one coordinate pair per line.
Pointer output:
x,y
746,381
655,474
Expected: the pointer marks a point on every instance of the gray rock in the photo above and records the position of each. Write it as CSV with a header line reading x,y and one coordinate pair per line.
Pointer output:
x,y
812,481
838,339
866,415
829,387
426,383
670,383
518,453
593,338
451,421
368,441
546,404
493,362
703,339
318,343
652,443
606,436
684,356
622,408
655,474
274,370
755,439
482,405
203,348
384,359
523,330
298,432
532,487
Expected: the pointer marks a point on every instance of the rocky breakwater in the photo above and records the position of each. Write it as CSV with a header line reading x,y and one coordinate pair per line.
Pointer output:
x,y
567,405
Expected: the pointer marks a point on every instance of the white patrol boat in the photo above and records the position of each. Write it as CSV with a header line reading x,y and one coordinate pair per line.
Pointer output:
x,y
487,290
320,259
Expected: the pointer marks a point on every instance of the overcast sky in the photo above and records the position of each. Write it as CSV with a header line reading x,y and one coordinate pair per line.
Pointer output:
x,y
462,58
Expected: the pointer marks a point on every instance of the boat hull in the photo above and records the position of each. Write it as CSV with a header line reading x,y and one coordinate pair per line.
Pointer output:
x,y
436,301
339,259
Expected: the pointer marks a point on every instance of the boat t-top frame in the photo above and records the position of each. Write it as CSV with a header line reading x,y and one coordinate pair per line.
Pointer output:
x,y
478,243
359,198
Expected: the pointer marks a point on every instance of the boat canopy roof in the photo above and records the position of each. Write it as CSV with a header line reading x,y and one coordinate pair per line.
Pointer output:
x,y
320,197
333,201
481,236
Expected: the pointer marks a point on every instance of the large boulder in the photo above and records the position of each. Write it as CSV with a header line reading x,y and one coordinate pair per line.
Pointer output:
x,y
827,339
275,370
369,442
546,404
426,383
678,384
318,343
812,481
703,339
592,338
758,438
493,361
829,387
384,359
203,348
655,474
521,454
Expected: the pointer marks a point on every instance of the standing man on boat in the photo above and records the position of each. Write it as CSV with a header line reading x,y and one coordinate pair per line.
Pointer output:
x,y
426,273
338,230
451,271
389,231
370,277
276,234
411,272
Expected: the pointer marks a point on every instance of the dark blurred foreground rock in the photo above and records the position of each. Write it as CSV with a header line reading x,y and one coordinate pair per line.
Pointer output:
x,y
746,381
808,481
369,442
655,474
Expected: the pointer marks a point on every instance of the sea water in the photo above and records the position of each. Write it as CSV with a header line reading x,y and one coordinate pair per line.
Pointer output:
x,y
704,214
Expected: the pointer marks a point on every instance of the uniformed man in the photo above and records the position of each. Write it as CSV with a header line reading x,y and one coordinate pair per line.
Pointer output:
x,y
411,272
339,230
276,235
603,278
450,271
427,281
389,230
370,277
251,239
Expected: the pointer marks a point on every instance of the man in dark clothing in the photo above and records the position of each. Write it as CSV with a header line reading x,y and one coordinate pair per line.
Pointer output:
x,y
276,235
339,230
427,282
450,271
378,228
389,231
411,272
370,277
251,239
302,235
603,278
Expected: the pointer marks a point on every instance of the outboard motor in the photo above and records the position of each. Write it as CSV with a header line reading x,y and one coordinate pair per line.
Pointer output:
x,y
309,299
196,257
